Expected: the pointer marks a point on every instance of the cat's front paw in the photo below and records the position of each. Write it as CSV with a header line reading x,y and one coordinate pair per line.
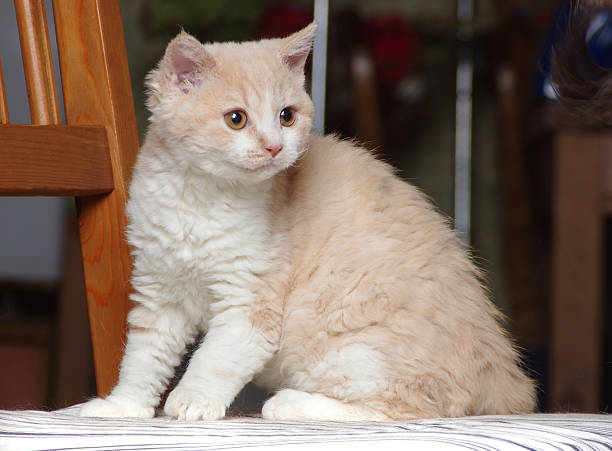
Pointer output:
x,y
192,405
113,408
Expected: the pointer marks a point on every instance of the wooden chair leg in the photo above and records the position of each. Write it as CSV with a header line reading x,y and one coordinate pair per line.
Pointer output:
x,y
74,367
576,273
97,90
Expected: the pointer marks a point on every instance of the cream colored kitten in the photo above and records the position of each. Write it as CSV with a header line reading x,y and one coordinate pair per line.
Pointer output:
x,y
309,265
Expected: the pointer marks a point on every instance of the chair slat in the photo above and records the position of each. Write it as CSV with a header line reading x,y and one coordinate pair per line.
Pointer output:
x,y
54,160
4,113
37,61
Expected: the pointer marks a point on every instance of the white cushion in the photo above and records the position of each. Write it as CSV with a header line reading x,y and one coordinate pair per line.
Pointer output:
x,y
62,430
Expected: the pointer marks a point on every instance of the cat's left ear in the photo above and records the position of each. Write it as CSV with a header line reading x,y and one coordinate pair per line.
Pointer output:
x,y
296,48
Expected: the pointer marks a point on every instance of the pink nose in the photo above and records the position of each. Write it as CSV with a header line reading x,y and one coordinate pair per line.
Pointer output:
x,y
274,150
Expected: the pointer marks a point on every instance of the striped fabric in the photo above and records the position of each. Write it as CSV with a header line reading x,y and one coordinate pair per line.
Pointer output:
x,y
62,430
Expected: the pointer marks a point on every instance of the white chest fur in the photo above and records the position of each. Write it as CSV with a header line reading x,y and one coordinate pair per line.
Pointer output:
x,y
198,234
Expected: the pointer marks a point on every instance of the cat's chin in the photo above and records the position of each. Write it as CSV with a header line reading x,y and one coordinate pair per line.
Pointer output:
x,y
259,173
236,173
262,167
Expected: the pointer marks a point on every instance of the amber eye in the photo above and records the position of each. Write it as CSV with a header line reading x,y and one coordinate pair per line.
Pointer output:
x,y
236,119
287,117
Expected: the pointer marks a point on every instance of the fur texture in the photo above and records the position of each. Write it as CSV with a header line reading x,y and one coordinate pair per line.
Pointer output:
x,y
313,269
584,87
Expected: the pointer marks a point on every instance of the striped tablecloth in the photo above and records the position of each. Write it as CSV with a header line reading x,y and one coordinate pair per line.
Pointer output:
x,y
62,430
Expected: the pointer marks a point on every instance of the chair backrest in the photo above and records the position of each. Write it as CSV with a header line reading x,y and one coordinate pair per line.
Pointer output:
x,y
89,157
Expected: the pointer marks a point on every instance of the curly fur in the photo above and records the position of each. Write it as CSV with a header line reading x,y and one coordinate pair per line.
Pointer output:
x,y
315,270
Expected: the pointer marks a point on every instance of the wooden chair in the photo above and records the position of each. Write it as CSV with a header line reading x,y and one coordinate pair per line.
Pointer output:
x,y
582,197
89,157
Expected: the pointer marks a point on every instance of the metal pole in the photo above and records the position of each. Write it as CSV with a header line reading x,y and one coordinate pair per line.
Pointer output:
x,y
319,63
463,121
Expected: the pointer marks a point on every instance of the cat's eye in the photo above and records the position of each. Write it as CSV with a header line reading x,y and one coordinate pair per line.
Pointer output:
x,y
287,117
236,119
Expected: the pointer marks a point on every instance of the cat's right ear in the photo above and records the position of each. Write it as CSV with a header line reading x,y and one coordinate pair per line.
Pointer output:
x,y
185,64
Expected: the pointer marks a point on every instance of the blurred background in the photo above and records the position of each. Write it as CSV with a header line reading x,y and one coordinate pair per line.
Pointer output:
x,y
392,71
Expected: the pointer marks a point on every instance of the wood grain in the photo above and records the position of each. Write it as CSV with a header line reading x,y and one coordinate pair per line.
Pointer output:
x,y
577,268
37,61
4,112
97,90
54,160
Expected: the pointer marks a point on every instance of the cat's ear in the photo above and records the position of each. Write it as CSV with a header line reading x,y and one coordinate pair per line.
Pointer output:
x,y
296,48
186,63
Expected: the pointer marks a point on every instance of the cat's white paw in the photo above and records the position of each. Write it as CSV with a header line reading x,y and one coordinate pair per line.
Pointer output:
x,y
112,408
294,405
285,405
192,405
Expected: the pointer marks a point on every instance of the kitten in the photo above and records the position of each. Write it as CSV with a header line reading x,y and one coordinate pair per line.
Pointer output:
x,y
310,266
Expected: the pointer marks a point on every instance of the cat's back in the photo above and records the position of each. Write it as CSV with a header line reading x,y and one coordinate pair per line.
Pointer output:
x,y
340,184
335,167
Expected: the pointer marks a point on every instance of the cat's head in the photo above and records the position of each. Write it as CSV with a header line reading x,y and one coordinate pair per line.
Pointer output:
x,y
235,110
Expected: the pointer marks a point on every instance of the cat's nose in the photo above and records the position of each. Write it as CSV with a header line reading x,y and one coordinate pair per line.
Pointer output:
x,y
274,150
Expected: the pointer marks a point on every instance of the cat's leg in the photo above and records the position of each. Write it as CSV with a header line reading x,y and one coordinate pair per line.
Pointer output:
x,y
294,405
232,352
156,342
